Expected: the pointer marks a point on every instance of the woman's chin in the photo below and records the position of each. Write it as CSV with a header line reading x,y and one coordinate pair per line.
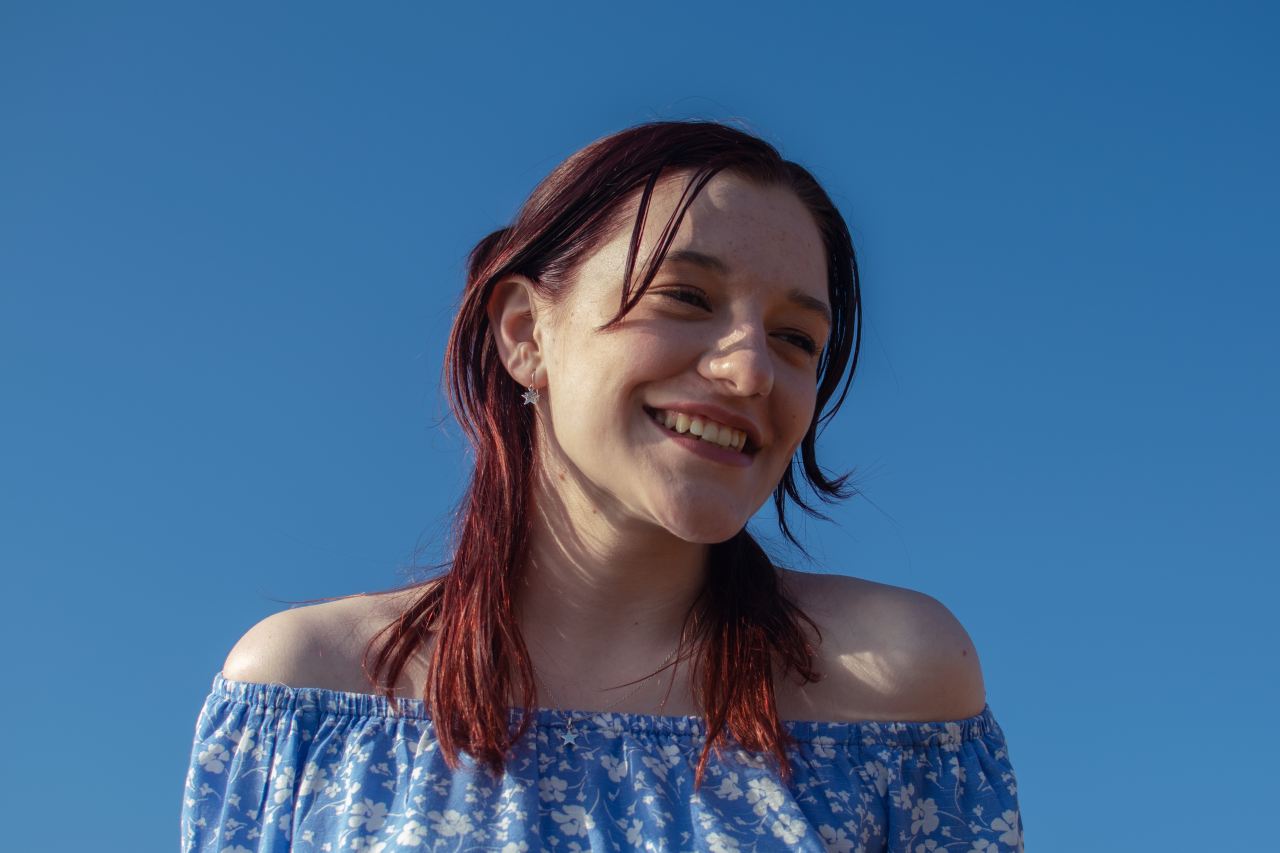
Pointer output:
x,y
705,528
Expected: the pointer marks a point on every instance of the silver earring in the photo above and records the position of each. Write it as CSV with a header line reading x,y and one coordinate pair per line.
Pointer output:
x,y
530,396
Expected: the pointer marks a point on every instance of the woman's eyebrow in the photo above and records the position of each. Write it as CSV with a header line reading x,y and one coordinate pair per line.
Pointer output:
x,y
809,303
700,259
711,263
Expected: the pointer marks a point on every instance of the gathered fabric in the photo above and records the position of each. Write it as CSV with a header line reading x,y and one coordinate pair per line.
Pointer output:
x,y
277,768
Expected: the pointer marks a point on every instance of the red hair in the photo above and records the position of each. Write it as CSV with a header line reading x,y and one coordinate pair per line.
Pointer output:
x,y
741,619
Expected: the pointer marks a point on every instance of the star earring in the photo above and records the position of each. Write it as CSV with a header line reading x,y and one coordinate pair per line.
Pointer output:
x,y
530,396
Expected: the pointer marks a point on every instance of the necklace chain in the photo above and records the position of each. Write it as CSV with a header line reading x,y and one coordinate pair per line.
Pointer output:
x,y
570,736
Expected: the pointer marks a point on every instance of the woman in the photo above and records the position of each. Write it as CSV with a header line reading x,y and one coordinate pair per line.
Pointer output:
x,y
610,660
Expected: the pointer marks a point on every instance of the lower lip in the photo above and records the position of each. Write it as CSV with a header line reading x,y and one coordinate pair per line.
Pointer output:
x,y
705,449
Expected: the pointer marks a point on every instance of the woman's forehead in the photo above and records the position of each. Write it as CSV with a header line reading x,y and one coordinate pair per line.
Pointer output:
x,y
735,229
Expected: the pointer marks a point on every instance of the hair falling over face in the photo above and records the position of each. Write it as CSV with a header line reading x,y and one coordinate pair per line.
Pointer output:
x,y
741,623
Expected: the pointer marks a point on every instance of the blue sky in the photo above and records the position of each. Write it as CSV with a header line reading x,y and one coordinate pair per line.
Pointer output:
x,y
231,236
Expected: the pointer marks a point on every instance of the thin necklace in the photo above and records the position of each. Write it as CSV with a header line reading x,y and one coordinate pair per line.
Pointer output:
x,y
570,736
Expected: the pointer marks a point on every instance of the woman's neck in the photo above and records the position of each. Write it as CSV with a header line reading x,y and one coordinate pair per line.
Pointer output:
x,y
600,598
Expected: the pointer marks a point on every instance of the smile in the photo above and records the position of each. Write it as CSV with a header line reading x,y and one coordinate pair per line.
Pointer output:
x,y
705,437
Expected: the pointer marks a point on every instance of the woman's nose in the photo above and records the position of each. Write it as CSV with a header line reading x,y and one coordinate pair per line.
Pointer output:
x,y
741,363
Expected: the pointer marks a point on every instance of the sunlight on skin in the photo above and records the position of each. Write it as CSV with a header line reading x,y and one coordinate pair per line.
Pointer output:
x,y
871,669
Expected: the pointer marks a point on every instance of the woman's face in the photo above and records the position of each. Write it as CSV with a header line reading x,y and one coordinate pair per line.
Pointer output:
x,y
733,339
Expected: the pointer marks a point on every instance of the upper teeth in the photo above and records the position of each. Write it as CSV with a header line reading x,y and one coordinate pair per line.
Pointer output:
x,y
704,428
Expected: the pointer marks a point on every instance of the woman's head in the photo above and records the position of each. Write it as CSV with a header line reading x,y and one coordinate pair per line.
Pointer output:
x,y
672,267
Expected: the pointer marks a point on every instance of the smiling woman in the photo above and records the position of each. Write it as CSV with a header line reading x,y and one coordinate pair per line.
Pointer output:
x,y
729,341
640,361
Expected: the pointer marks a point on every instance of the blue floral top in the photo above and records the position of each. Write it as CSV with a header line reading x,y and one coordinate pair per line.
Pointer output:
x,y
323,770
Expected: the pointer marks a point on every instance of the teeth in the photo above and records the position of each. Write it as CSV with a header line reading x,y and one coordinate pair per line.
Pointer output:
x,y
717,434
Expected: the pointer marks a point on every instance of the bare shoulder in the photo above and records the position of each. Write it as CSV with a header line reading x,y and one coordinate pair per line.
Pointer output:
x,y
318,645
889,653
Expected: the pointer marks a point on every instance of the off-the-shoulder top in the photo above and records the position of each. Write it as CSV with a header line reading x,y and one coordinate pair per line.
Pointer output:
x,y
276,768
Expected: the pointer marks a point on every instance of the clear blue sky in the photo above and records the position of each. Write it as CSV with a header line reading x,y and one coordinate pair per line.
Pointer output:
x,y
231,236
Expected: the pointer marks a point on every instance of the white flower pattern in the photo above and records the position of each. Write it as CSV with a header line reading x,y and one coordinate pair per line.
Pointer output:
x,y
311,769
368,814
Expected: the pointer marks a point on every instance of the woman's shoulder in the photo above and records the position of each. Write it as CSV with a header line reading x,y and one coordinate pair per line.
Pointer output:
x,y
887,652
317,645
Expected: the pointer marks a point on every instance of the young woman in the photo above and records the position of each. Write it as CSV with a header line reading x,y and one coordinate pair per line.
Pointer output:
x,y
610,660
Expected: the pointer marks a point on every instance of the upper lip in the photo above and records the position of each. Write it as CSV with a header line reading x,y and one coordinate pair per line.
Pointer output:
x,y
720,415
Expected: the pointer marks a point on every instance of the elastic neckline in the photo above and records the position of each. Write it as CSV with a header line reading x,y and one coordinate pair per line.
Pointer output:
x,y
340,703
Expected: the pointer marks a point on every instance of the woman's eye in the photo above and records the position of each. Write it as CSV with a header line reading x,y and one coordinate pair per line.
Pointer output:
x,y
686,295
689,296
804,342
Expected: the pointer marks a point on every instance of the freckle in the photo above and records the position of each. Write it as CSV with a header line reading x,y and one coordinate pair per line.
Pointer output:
x,y
964,652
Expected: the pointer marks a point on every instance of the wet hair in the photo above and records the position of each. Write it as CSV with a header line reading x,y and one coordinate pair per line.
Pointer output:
x,y
742,617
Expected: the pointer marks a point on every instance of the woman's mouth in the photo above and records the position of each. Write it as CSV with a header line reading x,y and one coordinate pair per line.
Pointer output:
x,y
706,437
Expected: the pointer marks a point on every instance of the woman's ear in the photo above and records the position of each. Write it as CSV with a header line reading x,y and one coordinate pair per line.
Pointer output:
x,y
514,318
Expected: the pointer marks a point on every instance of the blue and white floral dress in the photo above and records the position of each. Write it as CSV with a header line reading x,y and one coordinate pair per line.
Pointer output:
x,y
276,768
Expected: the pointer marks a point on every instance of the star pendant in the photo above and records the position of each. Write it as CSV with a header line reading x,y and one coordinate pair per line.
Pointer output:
x,y
530,396
570,738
